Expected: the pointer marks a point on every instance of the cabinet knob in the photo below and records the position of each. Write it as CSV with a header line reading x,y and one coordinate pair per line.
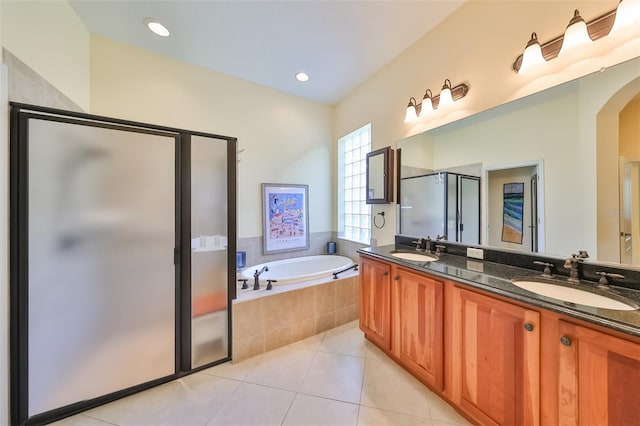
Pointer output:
x,y
396,278
565,341
385,273
528,326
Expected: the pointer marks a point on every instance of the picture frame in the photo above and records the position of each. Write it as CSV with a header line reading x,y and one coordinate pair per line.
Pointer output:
x,y
285,217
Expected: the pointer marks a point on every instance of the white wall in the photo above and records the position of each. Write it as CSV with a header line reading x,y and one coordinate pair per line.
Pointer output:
x,y
477,44
50,38
286,139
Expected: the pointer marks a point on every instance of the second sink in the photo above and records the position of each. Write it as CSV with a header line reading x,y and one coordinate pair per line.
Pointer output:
x,y
416,257
565,293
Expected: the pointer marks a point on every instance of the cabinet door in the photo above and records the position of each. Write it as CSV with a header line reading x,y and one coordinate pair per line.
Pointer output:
x,y
375,302
498,372
419,326
599,378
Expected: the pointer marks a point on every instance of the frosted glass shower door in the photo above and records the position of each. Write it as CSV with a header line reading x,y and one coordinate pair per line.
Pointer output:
x,y
422,208
209,251
101,275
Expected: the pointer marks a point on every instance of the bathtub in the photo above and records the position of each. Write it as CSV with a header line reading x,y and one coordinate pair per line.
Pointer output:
x,y
305,300
297,269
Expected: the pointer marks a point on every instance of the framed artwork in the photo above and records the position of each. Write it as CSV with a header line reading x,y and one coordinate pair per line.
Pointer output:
x,y
285,217
512,216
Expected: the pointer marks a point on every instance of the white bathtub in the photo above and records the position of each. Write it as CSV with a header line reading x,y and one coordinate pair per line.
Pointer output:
x,y
297,269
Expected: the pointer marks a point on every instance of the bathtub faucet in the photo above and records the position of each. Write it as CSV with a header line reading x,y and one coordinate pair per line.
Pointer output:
x,y
256,276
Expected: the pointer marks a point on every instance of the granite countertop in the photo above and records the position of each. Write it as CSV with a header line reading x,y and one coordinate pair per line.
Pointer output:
x,y
496,278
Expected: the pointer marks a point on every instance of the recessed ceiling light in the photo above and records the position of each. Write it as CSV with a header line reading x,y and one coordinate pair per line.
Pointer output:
x,y
302,76
156,27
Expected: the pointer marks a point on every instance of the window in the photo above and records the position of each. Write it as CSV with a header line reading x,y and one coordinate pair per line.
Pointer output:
x,y
354,214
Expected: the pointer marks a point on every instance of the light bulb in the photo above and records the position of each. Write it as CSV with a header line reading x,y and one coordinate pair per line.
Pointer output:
x,y
411,113
627,16
427,103
445,95
575,35
156,27
532,55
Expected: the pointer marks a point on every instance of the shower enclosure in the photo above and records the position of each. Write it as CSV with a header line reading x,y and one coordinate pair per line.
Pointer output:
x,y
122,257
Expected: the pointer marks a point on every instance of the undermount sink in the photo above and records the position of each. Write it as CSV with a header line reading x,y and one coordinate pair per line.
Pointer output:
x,y
565,293
414,256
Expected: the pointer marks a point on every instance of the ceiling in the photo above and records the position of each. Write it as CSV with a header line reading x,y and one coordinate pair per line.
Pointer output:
x,y
339,43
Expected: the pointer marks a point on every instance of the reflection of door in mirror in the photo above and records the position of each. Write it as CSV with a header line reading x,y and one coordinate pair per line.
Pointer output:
x,y
496,211
626,197
629,181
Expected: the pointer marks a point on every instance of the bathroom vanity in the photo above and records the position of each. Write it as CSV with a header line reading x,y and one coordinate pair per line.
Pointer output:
x,y
498,353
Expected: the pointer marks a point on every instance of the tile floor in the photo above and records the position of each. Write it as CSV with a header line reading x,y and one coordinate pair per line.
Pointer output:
x,y
333,378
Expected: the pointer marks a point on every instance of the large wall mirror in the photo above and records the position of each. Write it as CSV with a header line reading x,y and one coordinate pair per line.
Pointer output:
x,y
569,154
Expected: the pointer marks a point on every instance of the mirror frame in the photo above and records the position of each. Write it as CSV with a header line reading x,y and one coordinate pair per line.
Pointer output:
x,y
387,174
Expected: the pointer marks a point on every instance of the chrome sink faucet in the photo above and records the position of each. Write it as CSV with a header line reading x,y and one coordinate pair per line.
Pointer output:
x,y
418,244
573,264
256,277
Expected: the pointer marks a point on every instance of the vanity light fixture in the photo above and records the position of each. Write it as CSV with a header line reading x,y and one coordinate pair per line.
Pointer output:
x,y
156,27
447,96
575,35
627,13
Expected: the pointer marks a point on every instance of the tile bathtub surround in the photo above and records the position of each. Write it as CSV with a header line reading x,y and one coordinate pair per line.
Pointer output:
x,y
253,247
269,322
335,378
317,246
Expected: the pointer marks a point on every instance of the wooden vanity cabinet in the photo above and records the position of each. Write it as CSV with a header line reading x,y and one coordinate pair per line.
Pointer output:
x,y
375,301
417,326
497,362
495,359
598,378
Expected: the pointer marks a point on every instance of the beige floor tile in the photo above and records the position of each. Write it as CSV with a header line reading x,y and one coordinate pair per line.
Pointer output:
x,y
254,405
231,370
80,420
132,409
439,423
374,352
374,417
335,376
282,368
443,412
388,387
192,400
310,410
311,343
345,340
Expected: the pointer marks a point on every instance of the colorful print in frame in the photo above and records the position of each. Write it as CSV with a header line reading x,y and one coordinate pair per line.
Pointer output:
x,y
285,217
